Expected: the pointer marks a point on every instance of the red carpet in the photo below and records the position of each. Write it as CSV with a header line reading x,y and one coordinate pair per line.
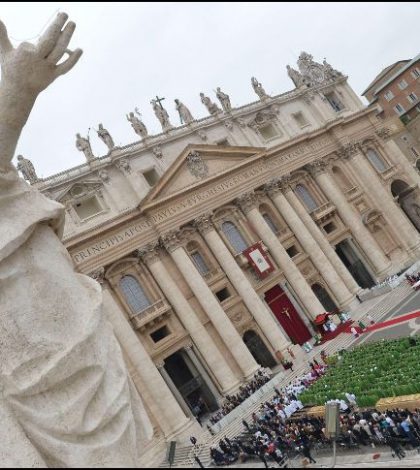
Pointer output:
x,y
343,328
379,326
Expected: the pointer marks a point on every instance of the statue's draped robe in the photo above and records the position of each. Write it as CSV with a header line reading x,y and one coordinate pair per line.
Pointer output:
x,y
66,400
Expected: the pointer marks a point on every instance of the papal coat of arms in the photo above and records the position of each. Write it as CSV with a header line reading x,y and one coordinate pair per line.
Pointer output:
x,y
196,165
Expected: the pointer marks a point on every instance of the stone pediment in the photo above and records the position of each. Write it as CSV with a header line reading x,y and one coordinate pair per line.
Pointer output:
x,y
197,165
78,189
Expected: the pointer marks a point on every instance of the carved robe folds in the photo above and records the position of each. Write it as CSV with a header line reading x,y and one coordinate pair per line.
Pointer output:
x,y
66,399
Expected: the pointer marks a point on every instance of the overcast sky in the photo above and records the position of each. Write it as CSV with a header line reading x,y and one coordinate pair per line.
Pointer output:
x,y
134,51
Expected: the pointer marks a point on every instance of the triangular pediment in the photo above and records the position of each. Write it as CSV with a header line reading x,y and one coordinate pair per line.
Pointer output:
x,y
78,189
198,164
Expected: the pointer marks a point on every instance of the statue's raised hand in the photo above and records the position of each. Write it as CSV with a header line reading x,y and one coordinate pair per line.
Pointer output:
x,y
31,68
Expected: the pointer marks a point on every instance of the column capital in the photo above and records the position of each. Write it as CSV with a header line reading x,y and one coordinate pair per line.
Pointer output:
x,y
317,167
384,133
171,240
350,150
203,223
278,185
247,201
149,253
98,275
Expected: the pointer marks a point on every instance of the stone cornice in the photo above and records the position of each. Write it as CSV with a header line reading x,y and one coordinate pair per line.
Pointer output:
x,y
246,202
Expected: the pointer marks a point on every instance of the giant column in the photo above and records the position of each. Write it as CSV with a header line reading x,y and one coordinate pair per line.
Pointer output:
x,y
211,305
321,239
374,188
309,244
170,417
352,219
269,326
247,202
208,349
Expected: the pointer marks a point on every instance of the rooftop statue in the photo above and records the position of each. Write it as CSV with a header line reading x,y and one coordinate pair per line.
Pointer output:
x,y
27,169
83,144
224,100
66,399
105,136
184,113
208,103
258,88
137,124
162,115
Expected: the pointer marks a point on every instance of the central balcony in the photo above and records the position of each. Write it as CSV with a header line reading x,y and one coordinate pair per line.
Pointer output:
x,y
323,212
151,315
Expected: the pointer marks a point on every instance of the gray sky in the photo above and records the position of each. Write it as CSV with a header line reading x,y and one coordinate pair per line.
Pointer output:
x,y
134,51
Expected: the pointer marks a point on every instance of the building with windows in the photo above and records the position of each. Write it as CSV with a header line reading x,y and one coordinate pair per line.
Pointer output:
x,y
396,94
218,243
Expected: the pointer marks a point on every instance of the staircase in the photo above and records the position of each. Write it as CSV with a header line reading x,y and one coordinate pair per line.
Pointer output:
x,y
377,309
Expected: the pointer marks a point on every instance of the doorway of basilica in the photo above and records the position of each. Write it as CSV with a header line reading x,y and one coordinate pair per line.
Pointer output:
x,y
287,315
190,383
409,201
324,297
259,350
354,264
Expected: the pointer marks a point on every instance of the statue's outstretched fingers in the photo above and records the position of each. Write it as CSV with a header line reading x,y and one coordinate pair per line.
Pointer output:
x,y
62,43
49,39
5,44
69,63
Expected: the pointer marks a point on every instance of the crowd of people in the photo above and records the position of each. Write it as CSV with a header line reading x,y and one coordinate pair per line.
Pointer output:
x,y
413,279
233,401
273,417
277,433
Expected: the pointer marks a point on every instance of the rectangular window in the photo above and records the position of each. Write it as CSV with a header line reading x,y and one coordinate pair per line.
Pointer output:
x,y
399,109
200,263
415,73
389,95
292,251
412,98
151,176
300,119
268,131
415,152
160,334
402,85
88,208
223,294
329,228
335,103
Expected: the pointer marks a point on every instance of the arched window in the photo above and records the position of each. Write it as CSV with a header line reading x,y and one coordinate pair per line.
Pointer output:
x,y
306,197
234,236
200,263
134,294
376,160
270,223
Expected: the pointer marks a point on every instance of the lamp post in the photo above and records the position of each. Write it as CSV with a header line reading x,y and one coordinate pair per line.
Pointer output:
x,y
332,420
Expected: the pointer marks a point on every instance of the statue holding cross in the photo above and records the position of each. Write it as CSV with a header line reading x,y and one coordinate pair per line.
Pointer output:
x,y
161,113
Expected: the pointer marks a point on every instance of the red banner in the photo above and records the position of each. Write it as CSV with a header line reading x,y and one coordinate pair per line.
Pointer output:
x,y
259,260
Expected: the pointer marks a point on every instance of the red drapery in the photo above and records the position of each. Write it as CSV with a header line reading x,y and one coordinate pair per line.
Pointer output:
x,y
287,315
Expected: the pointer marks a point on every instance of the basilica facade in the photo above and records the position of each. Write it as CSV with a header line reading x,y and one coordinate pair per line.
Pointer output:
x,y
220,243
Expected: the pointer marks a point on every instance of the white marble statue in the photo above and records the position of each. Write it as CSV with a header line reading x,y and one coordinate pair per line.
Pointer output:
x,y
27,169
105,136
137,124
208,103
66,399
162,115
83,144
224,100
258,88
296,77
184,113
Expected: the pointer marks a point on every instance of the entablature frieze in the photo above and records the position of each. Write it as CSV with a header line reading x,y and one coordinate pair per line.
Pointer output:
x,y
160,219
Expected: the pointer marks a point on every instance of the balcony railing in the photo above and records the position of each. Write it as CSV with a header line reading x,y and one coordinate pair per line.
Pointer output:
x,y
389,173
154,313
353,193
323,211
